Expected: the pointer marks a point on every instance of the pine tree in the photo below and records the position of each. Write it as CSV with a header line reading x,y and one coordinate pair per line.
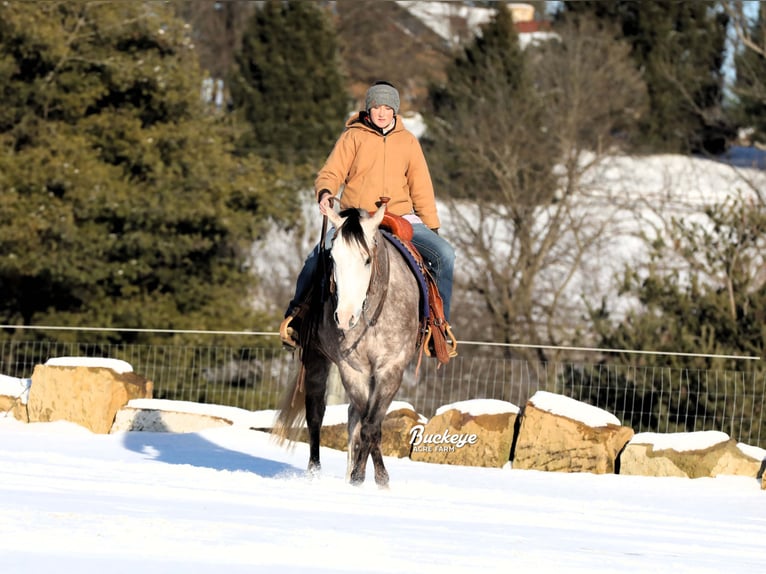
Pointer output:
x,y
680,47
288,83
712,302
122,204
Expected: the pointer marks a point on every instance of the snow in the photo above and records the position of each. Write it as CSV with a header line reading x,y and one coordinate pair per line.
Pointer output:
x,y
15,387
476,407
752,451
573,409
690,441
116,365
231,500
681,441
439,17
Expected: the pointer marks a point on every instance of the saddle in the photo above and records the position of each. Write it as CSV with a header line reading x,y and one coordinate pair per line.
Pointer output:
x,y
437,338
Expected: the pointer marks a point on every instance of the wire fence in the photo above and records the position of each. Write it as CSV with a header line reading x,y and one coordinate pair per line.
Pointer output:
x,y
657,399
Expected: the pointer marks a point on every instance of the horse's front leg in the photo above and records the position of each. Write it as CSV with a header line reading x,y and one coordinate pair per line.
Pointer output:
x,y
315,386
388,382
354,447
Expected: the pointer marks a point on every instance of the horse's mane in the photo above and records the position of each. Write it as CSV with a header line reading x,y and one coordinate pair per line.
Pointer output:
x,y
352,227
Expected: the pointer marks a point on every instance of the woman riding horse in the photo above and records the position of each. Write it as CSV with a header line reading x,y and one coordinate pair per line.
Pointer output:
x,y
376,156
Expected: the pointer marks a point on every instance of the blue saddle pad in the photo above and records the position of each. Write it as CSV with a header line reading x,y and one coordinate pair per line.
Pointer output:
x,y
416,270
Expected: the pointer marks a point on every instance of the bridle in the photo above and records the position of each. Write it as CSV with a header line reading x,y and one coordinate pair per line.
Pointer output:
x,y
379,276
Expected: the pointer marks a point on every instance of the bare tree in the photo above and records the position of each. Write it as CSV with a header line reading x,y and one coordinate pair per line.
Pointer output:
x,y
742,26
524,248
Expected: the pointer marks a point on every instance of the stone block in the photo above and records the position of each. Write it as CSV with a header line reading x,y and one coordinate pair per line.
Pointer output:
x,y
15,407
14,394
88,396
156,420
687,454
561,442
465,434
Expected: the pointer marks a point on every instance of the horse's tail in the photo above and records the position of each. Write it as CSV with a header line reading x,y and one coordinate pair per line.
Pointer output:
x,y
292,411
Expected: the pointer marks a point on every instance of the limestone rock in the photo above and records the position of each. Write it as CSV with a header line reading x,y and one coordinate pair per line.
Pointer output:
x,y
558,433
15,407
163,415
467,433
396,432
333,436
14,394
155,420
88,396
693,455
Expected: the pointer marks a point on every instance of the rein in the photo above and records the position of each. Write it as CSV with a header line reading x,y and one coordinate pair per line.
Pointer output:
x,y
380,272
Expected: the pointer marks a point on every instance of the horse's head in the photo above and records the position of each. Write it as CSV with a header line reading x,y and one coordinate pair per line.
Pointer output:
x,y
353,254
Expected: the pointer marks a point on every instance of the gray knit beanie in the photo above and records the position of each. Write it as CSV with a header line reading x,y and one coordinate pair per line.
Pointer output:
x,y
382,94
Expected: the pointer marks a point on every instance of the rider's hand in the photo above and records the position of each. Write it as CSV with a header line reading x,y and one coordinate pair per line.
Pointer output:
x,y
325,201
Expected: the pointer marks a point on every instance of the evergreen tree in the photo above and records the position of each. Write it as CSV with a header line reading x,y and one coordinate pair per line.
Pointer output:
x,y
680,47
485,100
750,86
712,302
288,83
122,203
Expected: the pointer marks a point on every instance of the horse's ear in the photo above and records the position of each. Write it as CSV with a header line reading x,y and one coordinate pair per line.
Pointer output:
x,y
378,216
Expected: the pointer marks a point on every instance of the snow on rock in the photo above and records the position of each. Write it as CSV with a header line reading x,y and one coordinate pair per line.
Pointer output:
x,y
752,451
237,416
573,409
681,441
15,387
478,407
116,365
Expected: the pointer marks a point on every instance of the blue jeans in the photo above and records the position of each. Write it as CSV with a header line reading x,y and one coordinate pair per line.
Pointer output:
x,y
438,255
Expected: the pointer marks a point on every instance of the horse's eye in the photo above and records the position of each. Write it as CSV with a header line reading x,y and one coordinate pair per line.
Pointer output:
x,y
367,262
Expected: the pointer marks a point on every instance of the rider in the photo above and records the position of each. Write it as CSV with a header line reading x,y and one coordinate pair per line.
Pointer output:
x,y
374,157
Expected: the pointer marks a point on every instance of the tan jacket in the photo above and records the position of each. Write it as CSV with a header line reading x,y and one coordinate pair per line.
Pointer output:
x,y
372,165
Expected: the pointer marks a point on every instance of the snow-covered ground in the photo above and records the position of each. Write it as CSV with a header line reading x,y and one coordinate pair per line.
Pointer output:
x,y
229,500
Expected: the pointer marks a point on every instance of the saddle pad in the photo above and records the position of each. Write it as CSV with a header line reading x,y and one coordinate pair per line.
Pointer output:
x,y
416,270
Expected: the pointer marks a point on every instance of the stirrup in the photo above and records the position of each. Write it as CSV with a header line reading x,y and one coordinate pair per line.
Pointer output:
x,y
287,333
450,340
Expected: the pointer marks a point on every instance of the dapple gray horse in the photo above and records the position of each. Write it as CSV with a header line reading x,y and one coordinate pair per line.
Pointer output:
x,y
369,327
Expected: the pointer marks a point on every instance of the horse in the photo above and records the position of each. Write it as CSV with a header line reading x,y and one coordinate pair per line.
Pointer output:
x,y
369,327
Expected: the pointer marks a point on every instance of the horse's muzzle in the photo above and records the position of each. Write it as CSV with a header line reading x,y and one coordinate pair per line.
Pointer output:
x,y
345,320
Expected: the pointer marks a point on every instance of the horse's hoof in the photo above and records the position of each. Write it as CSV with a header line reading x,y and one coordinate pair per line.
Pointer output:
x,y
356,480
381,478
314,470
